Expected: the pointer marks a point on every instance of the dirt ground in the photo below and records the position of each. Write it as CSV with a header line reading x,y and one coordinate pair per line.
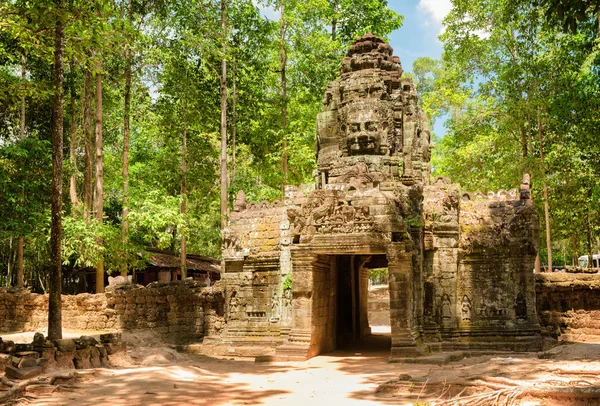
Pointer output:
x,y
154,374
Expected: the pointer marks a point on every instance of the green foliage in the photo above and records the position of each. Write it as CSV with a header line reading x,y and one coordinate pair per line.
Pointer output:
x,y
287,282
520,86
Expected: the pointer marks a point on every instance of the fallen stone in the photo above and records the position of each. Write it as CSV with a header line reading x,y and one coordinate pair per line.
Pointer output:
x,y
110,338
549,343
441,358
8,347
5,359
27,354
22,373
64,359
89,341
65,345
102,350
405,377
24,362
23,347
42,362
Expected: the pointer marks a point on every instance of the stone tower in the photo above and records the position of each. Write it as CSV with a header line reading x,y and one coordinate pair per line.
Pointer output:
x,y
460,265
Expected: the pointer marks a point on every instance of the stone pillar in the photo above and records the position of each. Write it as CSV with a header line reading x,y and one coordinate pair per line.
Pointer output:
x,y
299,339
404,342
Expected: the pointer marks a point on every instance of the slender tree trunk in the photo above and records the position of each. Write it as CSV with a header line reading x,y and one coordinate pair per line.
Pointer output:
x,y
334,21
55,280
182,208
224,116
72,144
87,129
99,202
20,274
590,263
575,260
10,263
283,56
24,83
546,202
233,127
126,119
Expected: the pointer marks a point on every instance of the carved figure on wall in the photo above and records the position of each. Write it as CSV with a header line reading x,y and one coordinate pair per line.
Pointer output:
x,y
465,308
240,202
446,307
275,309
234,306
231,244
446,311
521,307
286,313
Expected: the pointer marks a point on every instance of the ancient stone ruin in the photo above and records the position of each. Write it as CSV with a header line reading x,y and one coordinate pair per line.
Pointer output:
x,y
460,264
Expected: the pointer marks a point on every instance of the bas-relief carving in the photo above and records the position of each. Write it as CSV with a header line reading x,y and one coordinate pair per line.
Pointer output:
x,y
465,308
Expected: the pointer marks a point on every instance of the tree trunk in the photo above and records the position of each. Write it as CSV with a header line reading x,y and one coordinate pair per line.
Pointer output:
x,y
575,260
283,56
126,112
334,21
72,144
9,270
233,127
224,117
87,129
590,263
99,202
20,274
23,82
546,203
55,280
182,208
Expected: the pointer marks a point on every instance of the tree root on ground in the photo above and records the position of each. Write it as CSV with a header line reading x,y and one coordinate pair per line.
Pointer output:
x,y
17,388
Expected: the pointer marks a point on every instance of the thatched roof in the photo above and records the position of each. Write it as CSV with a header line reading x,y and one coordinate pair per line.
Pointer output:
x,y
166,259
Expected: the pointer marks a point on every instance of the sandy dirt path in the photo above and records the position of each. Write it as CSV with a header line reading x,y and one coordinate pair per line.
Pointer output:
x,y
351,377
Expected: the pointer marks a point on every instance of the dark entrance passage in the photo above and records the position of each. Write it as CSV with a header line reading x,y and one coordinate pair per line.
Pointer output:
x,y
352,303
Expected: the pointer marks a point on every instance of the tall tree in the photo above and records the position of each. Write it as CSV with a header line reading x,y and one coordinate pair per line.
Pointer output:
x,y
55,286
126,125
20,274
99,196
283,59
88,174
223,92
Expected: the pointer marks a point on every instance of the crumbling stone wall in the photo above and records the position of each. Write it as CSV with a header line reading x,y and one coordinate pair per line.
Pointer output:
x,y
178,311
568,305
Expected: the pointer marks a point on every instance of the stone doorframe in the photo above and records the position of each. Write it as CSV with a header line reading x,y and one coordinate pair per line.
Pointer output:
x,y
312,260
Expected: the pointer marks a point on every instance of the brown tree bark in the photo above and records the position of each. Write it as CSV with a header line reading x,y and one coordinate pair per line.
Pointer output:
x,y
55,277
72,144
283,57
99,201
87,130
10,262
126,122
545,187
20,274
223,83
334,22
233,127
182,208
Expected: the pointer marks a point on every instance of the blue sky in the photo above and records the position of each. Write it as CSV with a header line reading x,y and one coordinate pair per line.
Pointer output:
x,y
418,36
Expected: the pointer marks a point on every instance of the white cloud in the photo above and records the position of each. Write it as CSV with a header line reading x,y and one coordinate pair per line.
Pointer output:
x,y
268,12
437,10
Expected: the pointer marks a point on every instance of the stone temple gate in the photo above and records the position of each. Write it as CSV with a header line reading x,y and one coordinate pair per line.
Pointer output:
x,y
460,264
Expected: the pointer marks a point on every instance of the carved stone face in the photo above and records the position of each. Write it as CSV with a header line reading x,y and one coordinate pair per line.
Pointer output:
x,y
366,131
